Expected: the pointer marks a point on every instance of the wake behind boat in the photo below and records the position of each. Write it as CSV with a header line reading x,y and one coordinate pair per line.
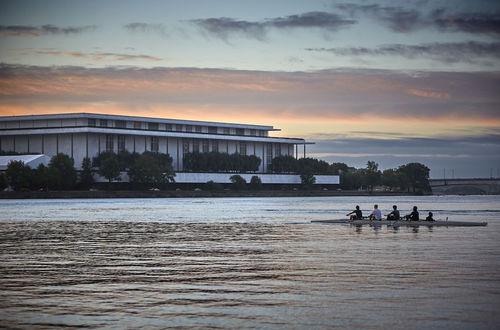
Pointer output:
x,y
404,223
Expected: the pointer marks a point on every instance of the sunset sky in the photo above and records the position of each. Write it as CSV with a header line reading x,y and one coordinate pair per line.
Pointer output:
x,y
390,81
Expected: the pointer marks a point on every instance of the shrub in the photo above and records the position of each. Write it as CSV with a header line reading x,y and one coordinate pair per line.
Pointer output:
x,y
237,182
255,183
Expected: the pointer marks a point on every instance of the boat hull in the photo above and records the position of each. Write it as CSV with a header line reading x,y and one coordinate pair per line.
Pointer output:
x,y
400,223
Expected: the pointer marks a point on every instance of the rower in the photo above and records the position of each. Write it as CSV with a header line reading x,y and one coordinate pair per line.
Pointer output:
x,y
376,214
394,215
429,217
357,214
413,216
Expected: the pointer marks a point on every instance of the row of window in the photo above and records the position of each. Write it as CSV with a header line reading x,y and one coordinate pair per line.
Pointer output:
x,y
197,146
175,127
110,143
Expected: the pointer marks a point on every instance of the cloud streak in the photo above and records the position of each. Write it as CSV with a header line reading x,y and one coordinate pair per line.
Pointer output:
x,y
469,51
404,20
37,31
100,56
224,27
140,27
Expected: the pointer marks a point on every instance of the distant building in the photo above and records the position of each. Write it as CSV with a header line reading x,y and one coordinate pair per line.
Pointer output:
x,y
81,135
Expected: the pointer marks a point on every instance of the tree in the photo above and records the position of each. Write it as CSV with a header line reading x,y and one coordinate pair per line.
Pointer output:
x,y
352,179
284,164
109,167
372,175
63,165
18,175
220,162
390,178
307,180
338,168
152,169
255,183
86,177
237,182
415,176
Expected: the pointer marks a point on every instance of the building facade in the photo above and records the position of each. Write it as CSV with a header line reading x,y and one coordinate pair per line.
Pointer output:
x,y
81,135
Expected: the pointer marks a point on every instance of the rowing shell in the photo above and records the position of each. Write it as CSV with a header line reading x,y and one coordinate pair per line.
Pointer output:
x,y
404,223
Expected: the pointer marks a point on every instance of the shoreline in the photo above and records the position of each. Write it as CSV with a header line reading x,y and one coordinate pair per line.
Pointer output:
x,y
189,194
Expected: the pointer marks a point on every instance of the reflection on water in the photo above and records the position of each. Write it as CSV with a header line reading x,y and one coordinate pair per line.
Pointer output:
x,y
252,274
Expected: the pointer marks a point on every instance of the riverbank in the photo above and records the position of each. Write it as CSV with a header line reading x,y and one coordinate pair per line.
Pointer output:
x,y
187,193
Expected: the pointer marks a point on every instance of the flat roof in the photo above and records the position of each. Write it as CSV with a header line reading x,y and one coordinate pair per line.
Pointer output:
x,y
135,118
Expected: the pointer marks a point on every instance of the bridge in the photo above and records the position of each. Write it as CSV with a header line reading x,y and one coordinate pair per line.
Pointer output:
x,y
465,186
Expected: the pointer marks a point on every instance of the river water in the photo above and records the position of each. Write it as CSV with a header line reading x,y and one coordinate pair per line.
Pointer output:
x,y
246,263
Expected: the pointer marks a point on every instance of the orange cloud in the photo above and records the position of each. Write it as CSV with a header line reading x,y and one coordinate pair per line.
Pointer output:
x,y
427,94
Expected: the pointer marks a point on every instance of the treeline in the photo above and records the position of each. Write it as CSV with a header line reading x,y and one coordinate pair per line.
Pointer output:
x,y
412,177
220,162
155,170
288,164
144,169
148,168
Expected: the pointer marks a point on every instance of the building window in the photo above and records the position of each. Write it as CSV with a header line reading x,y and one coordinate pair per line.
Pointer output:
x,y
121,143
204,146
269,154
226,130
110,143
240,131
196,145
154,144
92,122
185,146
178,128
215,145
153,126
120,123
197,129
212,130
103,123
189,128
243,148
262,133
278,150
137,125
168,127
252,132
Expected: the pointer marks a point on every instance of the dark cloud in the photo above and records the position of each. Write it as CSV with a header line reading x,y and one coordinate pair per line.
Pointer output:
x,y
397,18
146,28
37,31
324,20
224,26
402,19
487,23
470,51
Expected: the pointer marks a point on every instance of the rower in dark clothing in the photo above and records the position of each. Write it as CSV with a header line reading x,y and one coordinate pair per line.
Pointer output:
x,y
394,215
357,214
429,217
413,216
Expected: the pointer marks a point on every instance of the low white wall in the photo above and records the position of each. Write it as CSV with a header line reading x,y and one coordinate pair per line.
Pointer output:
x,y
185,177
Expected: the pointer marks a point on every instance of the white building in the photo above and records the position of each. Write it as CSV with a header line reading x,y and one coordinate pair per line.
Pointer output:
x,y
81,135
